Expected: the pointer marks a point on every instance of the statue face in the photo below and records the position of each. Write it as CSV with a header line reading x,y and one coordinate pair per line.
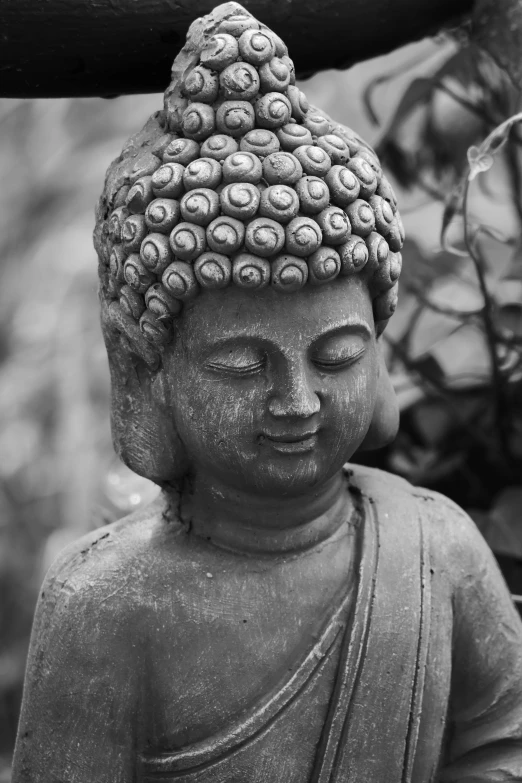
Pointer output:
x,y
272,393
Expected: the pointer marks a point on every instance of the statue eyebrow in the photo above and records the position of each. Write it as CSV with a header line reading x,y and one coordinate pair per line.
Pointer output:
x,y
353,326
350,326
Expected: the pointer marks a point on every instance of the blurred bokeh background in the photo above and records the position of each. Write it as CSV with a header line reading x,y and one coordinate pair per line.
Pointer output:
x,y
454,346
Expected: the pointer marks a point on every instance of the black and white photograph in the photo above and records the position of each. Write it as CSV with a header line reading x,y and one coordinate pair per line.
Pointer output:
x,y
260,391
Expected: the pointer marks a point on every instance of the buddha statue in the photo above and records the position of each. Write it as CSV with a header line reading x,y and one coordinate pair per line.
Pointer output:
x,y
277,613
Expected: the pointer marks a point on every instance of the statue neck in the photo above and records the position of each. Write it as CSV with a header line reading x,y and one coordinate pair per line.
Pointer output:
x,y
253,524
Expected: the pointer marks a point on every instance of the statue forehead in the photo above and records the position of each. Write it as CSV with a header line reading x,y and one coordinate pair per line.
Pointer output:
x,y
268,314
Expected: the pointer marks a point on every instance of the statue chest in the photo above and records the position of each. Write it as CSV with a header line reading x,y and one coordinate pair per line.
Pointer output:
x,y
271,735
221,642
262,700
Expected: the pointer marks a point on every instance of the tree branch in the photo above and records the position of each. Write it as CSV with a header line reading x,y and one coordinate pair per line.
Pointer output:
x,y
61,48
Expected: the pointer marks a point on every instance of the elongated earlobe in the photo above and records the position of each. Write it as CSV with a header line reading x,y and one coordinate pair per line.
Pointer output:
x,y
143,430
385,419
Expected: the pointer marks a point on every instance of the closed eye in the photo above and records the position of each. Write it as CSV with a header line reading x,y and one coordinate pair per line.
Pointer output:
x,y
338,351
237,360
236,369
338,362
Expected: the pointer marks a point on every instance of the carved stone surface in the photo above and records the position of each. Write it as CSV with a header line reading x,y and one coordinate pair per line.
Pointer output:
x,y
276,614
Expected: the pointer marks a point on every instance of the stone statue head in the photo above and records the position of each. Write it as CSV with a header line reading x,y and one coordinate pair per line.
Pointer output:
x,y
249,256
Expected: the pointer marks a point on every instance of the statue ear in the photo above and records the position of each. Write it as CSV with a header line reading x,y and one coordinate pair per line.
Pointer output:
x,y
385,419
142,423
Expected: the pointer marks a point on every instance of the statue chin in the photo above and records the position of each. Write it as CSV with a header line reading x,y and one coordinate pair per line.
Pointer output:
x,y
271,616
275,476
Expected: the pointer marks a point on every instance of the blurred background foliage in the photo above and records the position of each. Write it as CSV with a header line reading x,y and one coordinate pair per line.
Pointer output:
x,y
453,347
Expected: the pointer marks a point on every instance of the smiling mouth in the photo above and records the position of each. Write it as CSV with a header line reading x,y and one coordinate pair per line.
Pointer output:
x,y
291,444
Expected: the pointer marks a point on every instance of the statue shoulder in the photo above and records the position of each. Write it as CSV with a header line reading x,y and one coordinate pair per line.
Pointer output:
x,y
86,654
111,571
372,481
458,551
455,545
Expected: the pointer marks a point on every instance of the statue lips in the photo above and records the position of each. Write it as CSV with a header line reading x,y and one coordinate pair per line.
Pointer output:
x,y
291,443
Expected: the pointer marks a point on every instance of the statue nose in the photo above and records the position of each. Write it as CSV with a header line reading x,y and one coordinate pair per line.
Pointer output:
x,y
293,395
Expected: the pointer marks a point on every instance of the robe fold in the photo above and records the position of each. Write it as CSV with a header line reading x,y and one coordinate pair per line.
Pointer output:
x,y
415,676
370,733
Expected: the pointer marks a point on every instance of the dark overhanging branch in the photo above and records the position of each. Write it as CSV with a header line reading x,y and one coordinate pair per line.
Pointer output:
x,y
65,48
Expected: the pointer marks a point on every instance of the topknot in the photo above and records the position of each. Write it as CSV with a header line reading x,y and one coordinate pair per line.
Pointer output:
x,y
239,181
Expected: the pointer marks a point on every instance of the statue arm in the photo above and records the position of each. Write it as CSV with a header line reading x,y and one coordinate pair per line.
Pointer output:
x,y
79,706
485,732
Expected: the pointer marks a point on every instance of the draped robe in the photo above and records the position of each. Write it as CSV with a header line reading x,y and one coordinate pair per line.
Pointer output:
x,y
415,676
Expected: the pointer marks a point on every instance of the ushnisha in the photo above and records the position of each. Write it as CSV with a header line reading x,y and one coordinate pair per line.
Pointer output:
x,y
239,181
